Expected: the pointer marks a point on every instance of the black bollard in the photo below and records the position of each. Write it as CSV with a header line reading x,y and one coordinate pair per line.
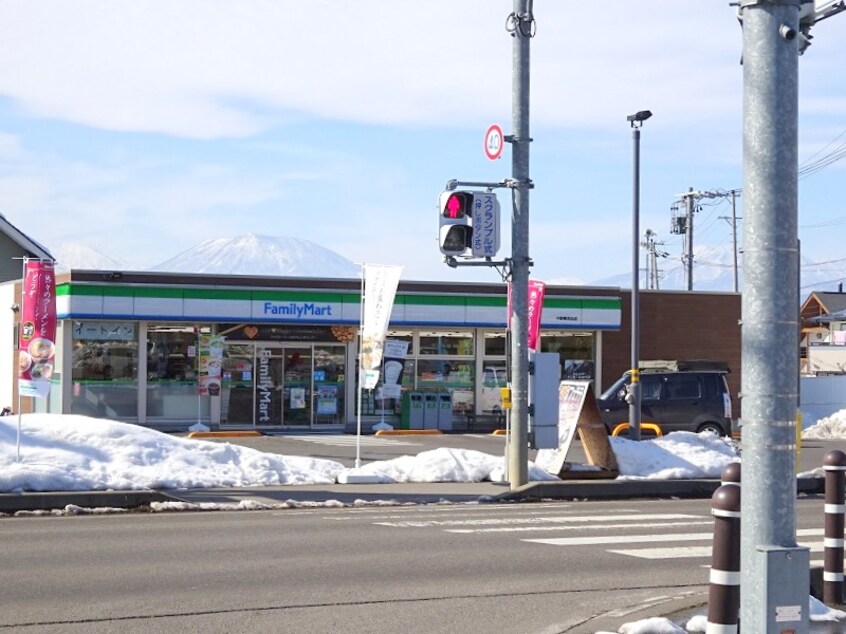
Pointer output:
x,y
724,589
835,467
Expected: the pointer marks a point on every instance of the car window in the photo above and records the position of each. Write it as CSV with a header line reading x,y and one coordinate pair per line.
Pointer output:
x,y
650,388
712,388
683,386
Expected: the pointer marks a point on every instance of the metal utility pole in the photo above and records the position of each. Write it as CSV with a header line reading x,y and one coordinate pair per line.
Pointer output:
x,y
684,225
774,569
652,254
688,237
521,24
734,193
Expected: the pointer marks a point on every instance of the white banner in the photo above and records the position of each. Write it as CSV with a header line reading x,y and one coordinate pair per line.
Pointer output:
x,y
380,289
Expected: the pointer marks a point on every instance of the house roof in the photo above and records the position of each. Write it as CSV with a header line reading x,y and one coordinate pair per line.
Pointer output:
x,y
839,315
830,302
24,241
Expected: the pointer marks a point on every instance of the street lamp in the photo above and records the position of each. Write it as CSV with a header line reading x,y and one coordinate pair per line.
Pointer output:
x,y
633,397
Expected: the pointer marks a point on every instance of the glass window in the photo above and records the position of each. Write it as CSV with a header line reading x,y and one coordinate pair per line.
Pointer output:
x,y
172,385
236,394
455,377
104,369
575,351
495,343
452,343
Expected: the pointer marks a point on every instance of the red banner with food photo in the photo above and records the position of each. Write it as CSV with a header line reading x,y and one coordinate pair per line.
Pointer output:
x,y
37,341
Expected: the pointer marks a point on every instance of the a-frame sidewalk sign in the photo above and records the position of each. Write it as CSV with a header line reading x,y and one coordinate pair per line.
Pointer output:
x,y
579,412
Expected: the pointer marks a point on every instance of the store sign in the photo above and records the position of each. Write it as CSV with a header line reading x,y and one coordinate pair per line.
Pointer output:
x,y
103,331
264,387
294,311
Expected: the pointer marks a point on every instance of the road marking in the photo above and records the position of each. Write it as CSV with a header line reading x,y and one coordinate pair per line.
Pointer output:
x,y
617,539
559,519
347,441
525,529
680,552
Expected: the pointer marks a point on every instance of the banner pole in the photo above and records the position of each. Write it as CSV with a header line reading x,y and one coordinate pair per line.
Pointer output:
x,y
23,290
360,374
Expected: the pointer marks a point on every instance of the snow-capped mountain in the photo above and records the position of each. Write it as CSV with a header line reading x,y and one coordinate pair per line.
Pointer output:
x,y
253,254
72,255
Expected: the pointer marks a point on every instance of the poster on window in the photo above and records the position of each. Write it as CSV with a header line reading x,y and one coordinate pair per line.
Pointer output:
x,y
395,352
298,398
211,364
37,340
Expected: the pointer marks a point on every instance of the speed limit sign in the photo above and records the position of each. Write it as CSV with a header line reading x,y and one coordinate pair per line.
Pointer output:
x,y
494,142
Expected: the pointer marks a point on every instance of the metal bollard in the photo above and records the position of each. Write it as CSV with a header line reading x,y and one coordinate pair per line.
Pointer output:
x,y
835,468
731,474
724,589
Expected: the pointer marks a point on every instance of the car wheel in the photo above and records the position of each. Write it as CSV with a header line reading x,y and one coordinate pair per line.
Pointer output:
x,y
712,427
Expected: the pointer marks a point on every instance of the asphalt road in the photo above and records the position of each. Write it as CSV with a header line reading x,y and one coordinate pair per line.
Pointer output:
x,y
455,568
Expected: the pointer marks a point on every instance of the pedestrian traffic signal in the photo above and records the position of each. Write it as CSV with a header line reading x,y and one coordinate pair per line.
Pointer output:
x,y
455,222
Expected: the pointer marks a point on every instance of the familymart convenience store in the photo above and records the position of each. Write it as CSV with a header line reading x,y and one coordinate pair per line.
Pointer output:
x,y
128,347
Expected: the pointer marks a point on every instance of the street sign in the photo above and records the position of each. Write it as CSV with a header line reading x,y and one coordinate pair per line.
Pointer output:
x,y
485,237
494,142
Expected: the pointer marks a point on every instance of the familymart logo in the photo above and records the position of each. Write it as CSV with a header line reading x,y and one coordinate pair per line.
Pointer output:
x,y
299,310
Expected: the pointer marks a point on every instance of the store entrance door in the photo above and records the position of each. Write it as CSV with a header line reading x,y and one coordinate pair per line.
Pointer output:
x,y
297,367
299,386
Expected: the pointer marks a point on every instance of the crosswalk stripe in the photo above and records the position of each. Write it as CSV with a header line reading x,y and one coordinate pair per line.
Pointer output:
x,y
639,539
616,539
554,519
678,552
526,529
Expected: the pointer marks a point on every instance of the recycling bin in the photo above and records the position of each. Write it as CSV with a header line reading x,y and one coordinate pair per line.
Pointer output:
x,y
411,412
445,411
430,410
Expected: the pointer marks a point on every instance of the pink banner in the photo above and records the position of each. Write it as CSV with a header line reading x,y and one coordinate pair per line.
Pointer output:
x,y
37,342
537,290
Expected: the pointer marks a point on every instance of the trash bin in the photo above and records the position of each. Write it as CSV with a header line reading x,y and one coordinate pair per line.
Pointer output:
x,y
411,412
445,411
430,410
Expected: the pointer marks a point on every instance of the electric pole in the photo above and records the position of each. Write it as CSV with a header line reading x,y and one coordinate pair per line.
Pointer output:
x,y
652,254
684,225
734,193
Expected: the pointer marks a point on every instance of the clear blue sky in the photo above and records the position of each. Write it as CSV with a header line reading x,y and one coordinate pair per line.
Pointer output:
x,y
144,128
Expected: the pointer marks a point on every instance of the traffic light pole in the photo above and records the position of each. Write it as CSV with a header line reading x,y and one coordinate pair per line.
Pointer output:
x,y
521,24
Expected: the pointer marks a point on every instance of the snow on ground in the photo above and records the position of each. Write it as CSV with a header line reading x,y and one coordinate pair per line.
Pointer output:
x,y
75,453
833,426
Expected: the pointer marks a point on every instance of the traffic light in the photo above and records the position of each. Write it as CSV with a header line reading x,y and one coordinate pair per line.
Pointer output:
x,y
455,222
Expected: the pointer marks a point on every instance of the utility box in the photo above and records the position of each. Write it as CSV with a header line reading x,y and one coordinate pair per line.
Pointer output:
x,y
445,411
544,376
411,412
430,410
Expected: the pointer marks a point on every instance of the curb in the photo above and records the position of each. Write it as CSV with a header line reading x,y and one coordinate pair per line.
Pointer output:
x,y
51,500
622,489
409,432
223,434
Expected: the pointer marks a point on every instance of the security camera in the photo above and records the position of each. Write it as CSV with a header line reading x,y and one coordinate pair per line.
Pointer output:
x,y
787,33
